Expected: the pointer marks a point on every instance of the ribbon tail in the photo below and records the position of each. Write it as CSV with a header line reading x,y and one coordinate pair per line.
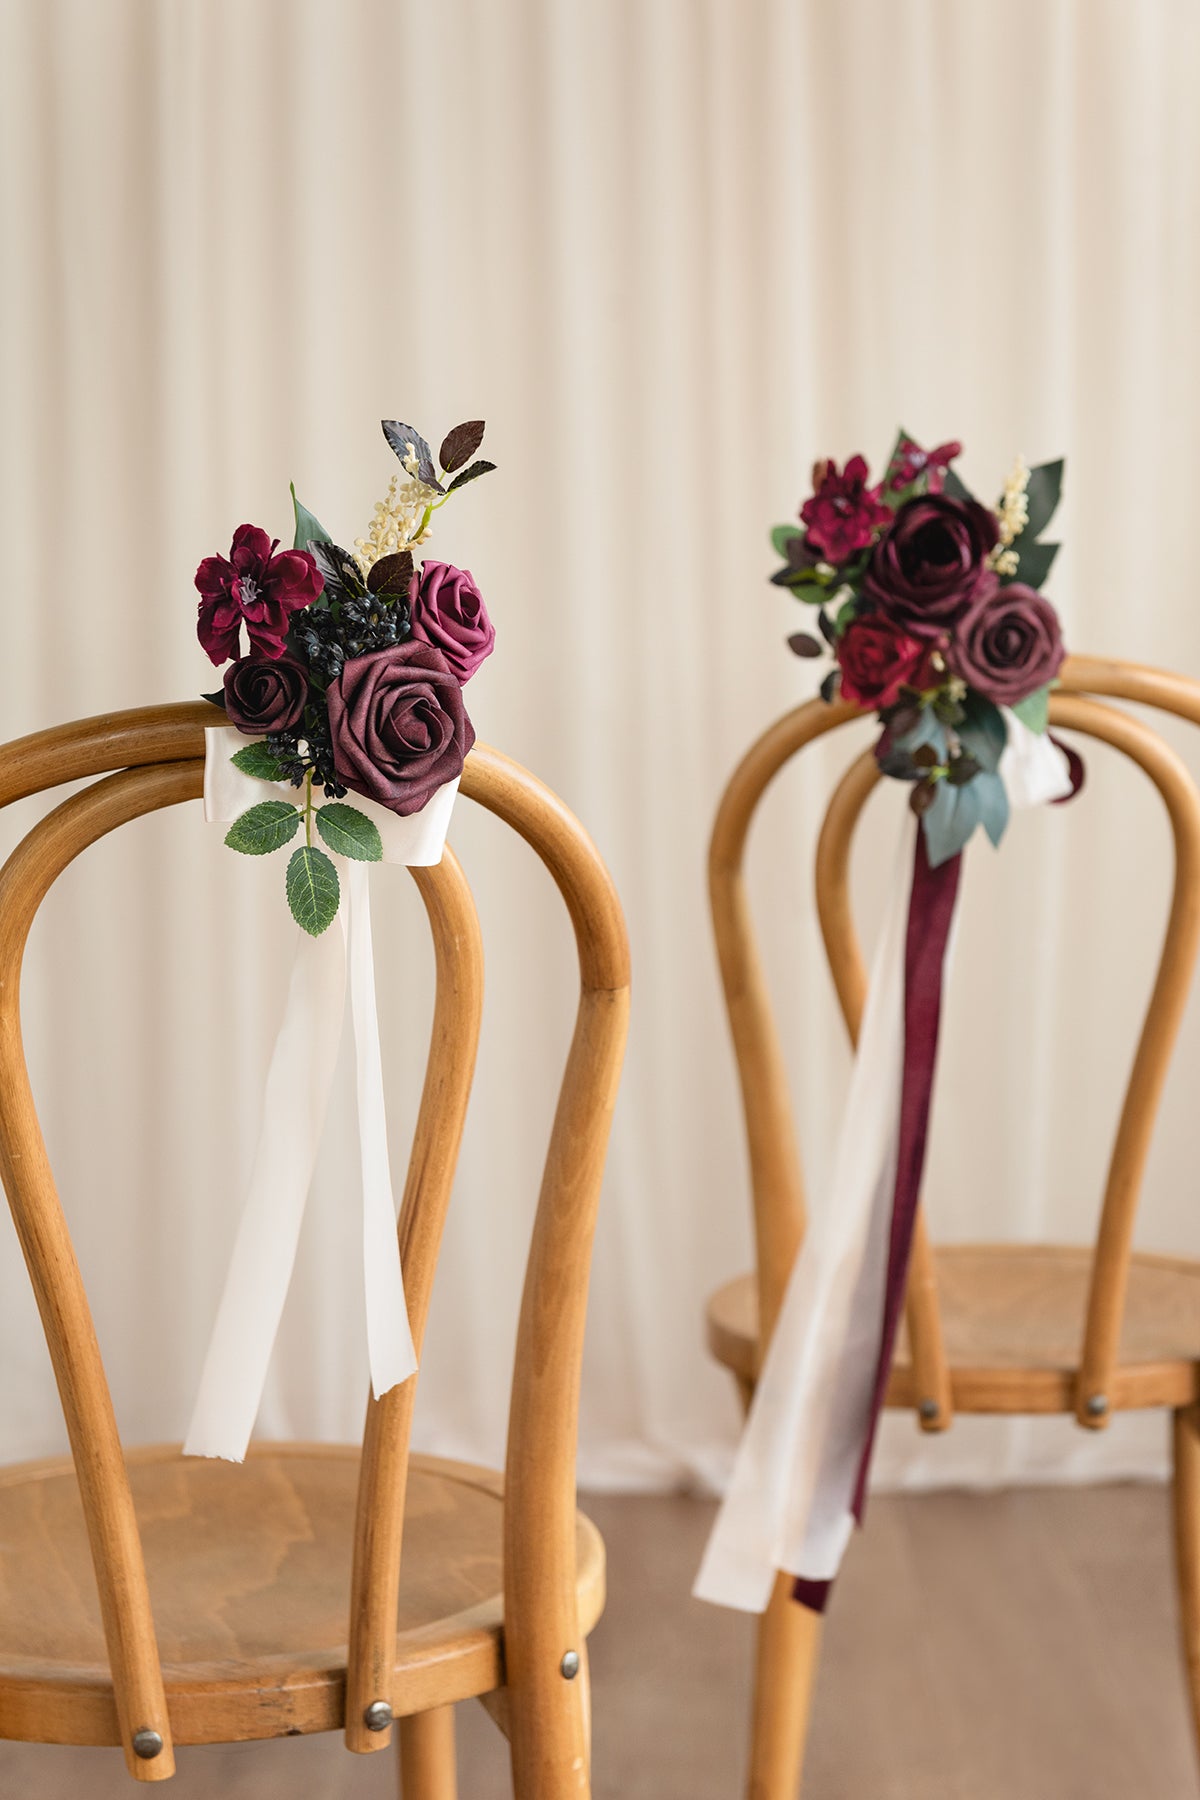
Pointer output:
x,y
389,1339
299,1080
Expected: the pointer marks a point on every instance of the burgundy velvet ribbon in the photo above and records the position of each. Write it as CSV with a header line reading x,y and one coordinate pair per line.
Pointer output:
x,y
930,914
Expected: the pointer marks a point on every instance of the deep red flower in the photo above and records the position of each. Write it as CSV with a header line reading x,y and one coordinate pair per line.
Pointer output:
x,y
923,572
253,587
877,658
844,514
910,461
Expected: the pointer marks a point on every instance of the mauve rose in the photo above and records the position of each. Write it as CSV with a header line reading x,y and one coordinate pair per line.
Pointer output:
x,y
877,658
923,571
398,725
1008,644
254,587
448,612
263,695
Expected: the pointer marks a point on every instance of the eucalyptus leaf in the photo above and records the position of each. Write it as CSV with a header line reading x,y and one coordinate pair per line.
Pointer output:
x,y
1034,561
313,890
1042,495
349,832
265,827
257,760
992,796
1034,710
409,443
460,444
982,730
927,728
309,529
949,820
472,473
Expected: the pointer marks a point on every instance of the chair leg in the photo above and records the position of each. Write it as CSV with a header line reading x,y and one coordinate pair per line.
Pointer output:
x,y
427,1770
551,1740
785,1664
1186,1498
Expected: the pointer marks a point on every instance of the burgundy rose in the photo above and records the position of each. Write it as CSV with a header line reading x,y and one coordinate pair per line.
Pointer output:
x,y
262,694
844,514
1009,643
924,571
398,725
878,658
448,612
254,587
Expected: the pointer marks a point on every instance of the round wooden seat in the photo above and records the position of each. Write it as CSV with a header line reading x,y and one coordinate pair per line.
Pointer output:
x,y
1012,1317
249,1571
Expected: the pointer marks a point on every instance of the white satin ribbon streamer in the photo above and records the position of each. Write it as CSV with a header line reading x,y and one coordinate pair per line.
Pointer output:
x,y
788,1505
299,1079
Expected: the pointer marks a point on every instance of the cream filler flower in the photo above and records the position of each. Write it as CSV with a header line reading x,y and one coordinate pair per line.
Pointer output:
x,y
1012,516
401,520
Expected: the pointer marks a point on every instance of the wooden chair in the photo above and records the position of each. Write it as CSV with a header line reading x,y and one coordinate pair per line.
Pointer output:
x,y
150,1600
989,1328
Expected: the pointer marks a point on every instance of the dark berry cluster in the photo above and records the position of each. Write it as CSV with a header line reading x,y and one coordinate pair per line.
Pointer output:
x,y
317,755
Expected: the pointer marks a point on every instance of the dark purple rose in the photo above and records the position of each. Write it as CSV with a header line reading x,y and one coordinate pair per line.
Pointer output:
x,y
398,725
923,571
448,612
256,588
264,695
1008,644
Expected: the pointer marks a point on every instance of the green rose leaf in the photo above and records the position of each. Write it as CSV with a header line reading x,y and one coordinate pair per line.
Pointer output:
x,y
309,530
256,760
349,832
1042,495
982,731
312,889
1034,710
266,827
1034,562
782,536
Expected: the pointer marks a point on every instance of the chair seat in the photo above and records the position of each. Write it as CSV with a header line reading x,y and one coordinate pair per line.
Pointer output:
x,y
249,1573
1012,1319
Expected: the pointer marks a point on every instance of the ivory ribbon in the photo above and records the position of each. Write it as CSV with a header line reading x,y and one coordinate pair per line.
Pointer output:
x,y
299,1079
801,1464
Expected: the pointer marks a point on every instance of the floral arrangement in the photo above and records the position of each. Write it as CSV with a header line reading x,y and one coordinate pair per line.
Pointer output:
x,y
356,661
929,603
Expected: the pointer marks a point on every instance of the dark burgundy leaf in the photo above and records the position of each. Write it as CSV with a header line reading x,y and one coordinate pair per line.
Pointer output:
x,y
218,699
405,441
391,574
460,444
804,645
829,686
963,769
903,719
342,574
923,797
827,631
472,474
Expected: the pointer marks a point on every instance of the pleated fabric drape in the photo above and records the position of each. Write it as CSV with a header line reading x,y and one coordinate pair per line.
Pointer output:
x,y
672,250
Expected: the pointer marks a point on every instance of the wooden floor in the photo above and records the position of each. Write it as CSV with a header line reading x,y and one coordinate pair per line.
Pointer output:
x,y
1000,1647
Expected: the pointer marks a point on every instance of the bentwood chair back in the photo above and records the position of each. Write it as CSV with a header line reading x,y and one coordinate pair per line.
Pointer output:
x,y
152,1600
1088,1331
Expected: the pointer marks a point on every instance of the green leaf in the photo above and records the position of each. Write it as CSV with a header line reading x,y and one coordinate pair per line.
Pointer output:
x,y
257,760
846,614
266,827
472,473
312,890
955,488
1034,710
1034,561
782,536
1042,495
309,530
982,731
349,832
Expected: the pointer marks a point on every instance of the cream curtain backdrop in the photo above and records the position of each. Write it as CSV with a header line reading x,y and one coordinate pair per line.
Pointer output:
x,y
672,251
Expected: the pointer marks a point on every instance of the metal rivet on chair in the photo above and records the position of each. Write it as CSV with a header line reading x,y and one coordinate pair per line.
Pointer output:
x,y
1097,1405
570,1665
929,1409
147,1745
378,1716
